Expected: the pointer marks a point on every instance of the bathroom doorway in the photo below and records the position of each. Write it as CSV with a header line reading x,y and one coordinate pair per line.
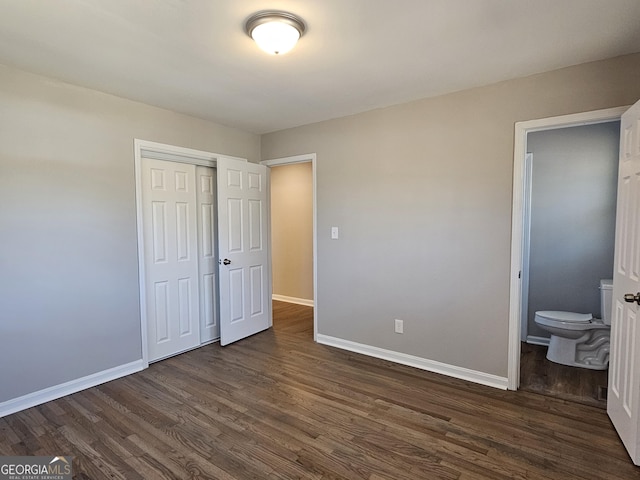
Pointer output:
x,y
568,246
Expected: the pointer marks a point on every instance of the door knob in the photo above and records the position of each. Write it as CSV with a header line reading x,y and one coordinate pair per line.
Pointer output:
x,y
630,298
226,261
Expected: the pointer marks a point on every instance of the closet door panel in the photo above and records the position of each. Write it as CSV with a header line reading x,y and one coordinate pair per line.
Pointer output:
x,y
170,257
207,253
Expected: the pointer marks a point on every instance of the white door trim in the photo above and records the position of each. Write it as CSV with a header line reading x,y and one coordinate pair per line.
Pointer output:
x,y
172,153
526,240
517,219
309,157
159,151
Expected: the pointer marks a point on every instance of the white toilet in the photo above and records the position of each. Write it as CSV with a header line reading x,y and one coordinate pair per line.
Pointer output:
x,y
579,339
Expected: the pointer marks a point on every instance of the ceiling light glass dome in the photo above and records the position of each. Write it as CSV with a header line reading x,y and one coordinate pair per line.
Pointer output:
x,y
275,32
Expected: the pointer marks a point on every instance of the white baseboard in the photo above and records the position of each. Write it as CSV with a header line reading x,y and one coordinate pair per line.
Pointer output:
x,y
57,391
417,362
297,301
532,339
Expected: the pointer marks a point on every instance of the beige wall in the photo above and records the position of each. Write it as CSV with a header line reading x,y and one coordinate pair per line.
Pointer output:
x,y
68,264
292,230
422,195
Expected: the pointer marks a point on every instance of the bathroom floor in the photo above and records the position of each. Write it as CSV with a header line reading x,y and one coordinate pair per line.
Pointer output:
x,y
539,375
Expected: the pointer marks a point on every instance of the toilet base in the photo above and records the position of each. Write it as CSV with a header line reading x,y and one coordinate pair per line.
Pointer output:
x,y
590,351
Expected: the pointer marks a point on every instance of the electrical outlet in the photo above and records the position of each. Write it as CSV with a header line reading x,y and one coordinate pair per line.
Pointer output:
x,y
399,326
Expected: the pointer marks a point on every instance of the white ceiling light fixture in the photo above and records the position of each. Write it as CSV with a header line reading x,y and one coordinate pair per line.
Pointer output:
x,y
275,32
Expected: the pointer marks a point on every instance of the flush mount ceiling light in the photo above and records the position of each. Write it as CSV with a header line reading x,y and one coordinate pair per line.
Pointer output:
x,y
275,32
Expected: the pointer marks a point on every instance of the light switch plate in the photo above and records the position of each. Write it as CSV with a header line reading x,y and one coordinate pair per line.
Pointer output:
x,y
334,233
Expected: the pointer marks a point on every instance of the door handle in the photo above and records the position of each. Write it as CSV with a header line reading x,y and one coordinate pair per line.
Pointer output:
x,y
630,298
226,261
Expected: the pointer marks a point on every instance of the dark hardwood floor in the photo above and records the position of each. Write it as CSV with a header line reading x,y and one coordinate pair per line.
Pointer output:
x,y
277,405
539,375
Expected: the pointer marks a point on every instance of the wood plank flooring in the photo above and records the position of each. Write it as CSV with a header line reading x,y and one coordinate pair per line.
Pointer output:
x,y
278,406
539,375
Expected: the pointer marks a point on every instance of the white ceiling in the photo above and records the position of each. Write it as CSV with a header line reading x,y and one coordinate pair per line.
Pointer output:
x,y
192,56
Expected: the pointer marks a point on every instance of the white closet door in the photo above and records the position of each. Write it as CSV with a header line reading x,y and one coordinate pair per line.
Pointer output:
x,y
207,253
243,240
171,257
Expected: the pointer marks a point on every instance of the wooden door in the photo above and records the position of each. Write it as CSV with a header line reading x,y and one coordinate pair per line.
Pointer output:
x,y
243,242
623,401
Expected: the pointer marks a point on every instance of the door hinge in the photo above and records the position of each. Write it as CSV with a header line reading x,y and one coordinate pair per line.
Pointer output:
x,y
520,274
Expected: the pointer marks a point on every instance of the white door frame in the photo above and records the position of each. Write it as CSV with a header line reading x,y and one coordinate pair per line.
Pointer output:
x,y
172,153
526,244
517,219
309,157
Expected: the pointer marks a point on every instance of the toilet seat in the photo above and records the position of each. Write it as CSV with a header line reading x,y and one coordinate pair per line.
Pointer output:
x,y
569,317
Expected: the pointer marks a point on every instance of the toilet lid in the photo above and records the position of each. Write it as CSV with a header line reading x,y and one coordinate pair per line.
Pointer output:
x,y
566,316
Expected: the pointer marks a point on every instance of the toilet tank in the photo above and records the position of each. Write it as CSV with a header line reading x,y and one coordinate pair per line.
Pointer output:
x,y
606,296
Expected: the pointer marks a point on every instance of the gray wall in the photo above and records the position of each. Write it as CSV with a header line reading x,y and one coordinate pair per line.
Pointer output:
x,y
422,195
68,263
573,215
